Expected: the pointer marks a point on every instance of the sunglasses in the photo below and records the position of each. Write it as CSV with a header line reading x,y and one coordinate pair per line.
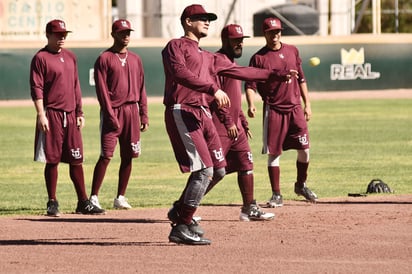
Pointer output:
x,y
202,18
60,34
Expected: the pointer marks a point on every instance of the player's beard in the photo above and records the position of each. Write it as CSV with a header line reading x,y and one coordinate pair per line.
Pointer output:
x,y
237,52
234,52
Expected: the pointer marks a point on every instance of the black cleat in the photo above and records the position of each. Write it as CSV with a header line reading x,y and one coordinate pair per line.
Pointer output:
x,y
275,201
53,208
181,234
306,192
86,207
173,216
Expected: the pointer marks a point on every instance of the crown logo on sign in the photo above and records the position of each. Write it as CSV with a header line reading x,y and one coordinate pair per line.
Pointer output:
x,y
352,57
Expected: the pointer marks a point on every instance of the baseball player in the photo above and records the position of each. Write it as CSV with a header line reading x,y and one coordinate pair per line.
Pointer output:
x,y
195,142
190,87
232,125
121,92
56,93
284,120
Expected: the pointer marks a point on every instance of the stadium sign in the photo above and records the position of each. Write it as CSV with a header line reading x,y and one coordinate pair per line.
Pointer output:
x,y
352,67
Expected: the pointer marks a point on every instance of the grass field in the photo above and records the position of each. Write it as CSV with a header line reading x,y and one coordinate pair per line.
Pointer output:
x,y
352,142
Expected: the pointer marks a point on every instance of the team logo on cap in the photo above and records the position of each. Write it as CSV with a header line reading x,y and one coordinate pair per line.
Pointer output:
x,y
238,30
62,25
274,23
124,24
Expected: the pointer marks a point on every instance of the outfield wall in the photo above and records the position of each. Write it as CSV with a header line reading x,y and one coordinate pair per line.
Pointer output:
x,y
358,62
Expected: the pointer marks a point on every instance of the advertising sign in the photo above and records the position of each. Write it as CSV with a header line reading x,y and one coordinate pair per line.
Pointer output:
x,y
25,20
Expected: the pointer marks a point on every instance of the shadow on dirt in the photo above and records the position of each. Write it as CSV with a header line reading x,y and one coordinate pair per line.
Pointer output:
x,y
79,242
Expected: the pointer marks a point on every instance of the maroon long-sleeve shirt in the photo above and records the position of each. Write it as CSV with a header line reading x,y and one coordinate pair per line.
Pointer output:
x,y
232,85
117,85
54,78
189,68
278,93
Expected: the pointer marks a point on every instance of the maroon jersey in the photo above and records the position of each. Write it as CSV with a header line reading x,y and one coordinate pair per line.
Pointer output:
x,y
189,88
117,85
54,78
237,151
229,76
280,95
187,68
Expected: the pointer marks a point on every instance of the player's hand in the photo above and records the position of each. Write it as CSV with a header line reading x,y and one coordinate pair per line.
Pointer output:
x,y
251,111
249,134
81,122
43,123
232,132
144,127
308,113
222,99
293,74
113,123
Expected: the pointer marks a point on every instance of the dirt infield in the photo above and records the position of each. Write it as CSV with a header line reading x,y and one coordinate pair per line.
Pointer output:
x,y
344,235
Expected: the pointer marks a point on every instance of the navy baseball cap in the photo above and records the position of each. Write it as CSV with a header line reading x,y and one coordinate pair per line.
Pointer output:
x,y
121,25
56,25
233,31
196,10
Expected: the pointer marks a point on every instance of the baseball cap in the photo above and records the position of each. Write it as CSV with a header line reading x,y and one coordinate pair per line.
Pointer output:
x,y
121,25
56,25
233,31
197,10
271,24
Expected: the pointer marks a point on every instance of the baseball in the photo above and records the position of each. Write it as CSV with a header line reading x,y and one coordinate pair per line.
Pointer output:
x,y
314,61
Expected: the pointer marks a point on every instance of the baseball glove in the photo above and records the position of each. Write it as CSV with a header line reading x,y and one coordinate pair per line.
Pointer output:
x,y
378,186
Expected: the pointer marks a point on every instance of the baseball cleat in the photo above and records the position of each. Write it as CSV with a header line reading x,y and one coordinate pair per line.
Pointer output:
x,y
121,203
197,219
95,201
275,201
253,213
181,234
53,208
306,192
173,216
86,207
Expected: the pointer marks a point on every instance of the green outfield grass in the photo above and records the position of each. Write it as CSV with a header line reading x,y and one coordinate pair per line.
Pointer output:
x,y
353,141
